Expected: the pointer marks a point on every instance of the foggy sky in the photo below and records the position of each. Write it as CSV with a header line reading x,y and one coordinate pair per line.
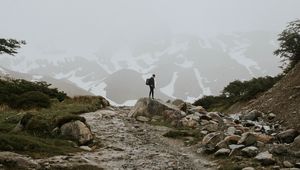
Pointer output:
x,y
80,27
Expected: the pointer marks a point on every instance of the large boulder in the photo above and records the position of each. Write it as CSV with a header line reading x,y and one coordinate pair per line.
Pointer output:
x,y
149,108
287,136
77,131
12,160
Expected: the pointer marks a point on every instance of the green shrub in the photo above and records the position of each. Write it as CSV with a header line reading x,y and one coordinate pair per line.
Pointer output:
x,y
28,100
238,91
12,89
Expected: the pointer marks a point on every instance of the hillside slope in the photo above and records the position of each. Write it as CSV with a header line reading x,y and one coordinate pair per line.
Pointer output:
x,y
283,100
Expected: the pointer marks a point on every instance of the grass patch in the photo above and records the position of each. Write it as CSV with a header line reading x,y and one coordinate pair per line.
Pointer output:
x,y
35,146
37,139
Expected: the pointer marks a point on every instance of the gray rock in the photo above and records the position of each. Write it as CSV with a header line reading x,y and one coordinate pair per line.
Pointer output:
x,y
142,119
17,161
265,158
215,116
222,152
77,131
247,139
252,115
296,143
232,147
276,167
279,149
210,141
248,168
250,151
231,131
287,164
287,136
271,116
149,108
85,148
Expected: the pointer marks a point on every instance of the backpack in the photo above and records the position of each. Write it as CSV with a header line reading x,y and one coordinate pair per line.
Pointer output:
x,y
148,82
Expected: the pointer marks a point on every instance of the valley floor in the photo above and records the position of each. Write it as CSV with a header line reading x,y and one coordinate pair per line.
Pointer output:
x,y
125,143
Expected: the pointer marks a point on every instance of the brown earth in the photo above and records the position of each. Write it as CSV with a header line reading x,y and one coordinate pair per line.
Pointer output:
x,y
283,100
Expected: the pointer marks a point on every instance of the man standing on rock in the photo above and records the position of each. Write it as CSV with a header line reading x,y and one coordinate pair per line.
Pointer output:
x,y
152,86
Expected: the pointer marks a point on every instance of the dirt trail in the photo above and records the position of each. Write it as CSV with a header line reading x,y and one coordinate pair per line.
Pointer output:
x,y
129,144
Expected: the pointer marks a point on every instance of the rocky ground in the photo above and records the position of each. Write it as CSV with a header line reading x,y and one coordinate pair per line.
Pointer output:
x,y
122,143
175,135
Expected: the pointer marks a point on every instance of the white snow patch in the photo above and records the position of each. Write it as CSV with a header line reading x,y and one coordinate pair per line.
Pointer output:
x,y
169,89
206,90
237,53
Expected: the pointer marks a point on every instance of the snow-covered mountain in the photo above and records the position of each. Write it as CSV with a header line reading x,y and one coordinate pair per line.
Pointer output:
x,y
65,85
186,67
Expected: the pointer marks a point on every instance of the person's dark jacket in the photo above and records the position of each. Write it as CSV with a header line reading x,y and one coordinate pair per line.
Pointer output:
x,y
151,82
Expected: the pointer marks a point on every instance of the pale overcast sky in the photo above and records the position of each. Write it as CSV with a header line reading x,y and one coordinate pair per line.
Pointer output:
x,y
86,24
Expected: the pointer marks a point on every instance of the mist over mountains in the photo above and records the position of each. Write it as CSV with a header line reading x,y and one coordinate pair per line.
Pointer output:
x,y
186,66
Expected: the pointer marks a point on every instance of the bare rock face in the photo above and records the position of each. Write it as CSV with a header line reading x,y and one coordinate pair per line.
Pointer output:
x,y
149,108
12,160
77,131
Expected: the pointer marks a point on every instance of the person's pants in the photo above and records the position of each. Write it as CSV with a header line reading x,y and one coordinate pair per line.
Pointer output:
x,y
151,92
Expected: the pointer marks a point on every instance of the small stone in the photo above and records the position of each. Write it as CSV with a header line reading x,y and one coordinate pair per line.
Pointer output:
x,y
85,148
276,167
222,152
142,119
265,158
297,165
287,164
232,147
231,130
271,116
296,143
250,151
248,168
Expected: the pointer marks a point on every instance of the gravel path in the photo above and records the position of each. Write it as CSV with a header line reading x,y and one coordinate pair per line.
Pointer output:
x,y
129,144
